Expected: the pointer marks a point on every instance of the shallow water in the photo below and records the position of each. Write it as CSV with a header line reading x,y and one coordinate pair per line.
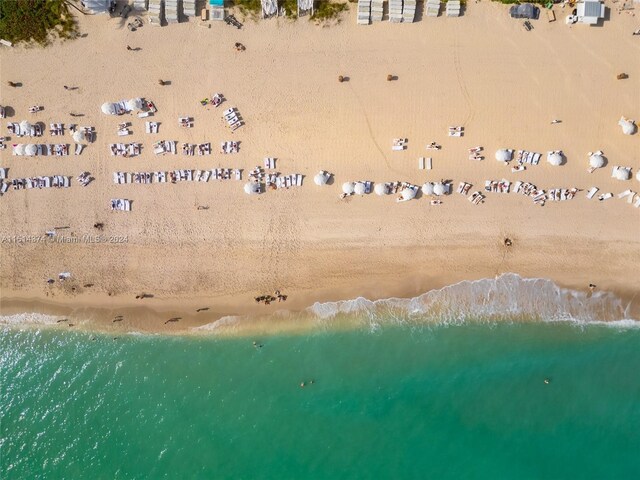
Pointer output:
x,y
463,401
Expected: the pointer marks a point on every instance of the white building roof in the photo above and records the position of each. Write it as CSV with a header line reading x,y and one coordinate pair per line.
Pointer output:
x,y
590,12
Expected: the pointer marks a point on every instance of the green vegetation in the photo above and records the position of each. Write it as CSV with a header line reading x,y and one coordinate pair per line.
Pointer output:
x,y
290,8
325,10
252,8
510,2
36,20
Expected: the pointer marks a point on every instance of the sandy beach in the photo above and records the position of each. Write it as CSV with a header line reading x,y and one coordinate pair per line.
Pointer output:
x,y
482,71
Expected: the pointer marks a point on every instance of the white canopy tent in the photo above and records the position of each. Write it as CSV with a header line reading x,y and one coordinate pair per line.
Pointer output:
x,y
321,178
25,128
408,193
347,188
79,136
427,188
304,7
359,188
251,188
621,173
381,189
109,108
439,189
135,104
269,8
554,158
503,155
596,161
30,149
628,126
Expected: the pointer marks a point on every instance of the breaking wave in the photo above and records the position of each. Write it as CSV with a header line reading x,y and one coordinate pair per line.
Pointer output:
x,y
507,297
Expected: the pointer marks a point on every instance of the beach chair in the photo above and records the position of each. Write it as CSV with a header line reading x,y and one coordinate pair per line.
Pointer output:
x,y
637,202
630,197
605,196
299,182
3,188
238,174
624,194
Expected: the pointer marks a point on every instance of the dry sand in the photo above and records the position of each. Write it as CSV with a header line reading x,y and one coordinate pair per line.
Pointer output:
x,y
482,71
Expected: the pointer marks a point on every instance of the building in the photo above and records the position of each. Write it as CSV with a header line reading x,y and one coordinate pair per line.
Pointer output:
x,y
590,12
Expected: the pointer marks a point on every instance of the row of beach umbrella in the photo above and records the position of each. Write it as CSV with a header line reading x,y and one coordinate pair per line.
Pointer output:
x,y
110,108
596,160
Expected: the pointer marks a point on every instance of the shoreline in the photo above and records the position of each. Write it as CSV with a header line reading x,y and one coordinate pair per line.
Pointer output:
x,y
149,318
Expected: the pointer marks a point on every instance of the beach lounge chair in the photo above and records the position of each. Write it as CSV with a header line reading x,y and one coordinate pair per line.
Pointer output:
x,y
476,198
238,174
592,192
299,181
4,186
624,194
605,196
630,197
637,203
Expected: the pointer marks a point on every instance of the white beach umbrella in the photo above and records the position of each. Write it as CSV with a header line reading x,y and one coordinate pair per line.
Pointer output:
x,y
79,136
321,178
30,149
621,173
135,104
503,155
109,108
359,188
596,160
408,193
554,159
19,149
25,127
427,188
439,189
251,188
347,188
628,126
380,189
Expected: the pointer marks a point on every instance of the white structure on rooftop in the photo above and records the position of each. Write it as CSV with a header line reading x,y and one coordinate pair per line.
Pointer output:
x,y
590,12
96,6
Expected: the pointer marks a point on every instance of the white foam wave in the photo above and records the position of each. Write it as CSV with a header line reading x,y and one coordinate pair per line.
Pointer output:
x,y
228,321
507,297
29,319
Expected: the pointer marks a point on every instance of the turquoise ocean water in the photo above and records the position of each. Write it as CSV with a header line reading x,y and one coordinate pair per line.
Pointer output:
x,y
400,401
